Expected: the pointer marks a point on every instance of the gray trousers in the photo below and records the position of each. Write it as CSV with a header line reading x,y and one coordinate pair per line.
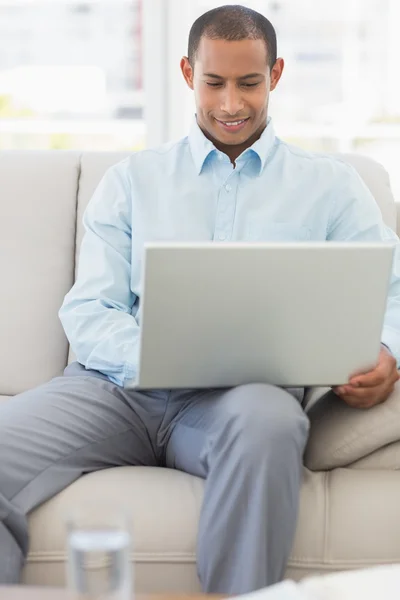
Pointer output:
x,y
246,442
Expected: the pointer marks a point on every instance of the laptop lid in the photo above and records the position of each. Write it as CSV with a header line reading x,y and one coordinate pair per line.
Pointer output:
x,y
289,314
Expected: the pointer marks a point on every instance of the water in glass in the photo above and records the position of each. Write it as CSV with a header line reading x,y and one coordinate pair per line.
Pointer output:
x,y
98,564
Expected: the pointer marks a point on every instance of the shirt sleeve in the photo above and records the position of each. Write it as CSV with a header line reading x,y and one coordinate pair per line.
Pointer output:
x,y
356,216
97,312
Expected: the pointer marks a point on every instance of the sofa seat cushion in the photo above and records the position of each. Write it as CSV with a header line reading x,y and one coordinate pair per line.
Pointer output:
x,y
348,519
164,507
341,525
341,435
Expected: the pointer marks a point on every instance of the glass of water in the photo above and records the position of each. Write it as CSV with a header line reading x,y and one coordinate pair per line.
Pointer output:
x,y
99,546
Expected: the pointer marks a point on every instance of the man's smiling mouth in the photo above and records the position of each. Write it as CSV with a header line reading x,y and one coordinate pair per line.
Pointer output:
x,y
232,123
233,126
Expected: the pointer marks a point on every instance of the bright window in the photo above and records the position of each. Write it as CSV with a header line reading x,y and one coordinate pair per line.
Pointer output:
x,y
71,74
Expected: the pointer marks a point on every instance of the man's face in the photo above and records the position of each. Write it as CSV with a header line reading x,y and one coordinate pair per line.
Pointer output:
x,y
232,82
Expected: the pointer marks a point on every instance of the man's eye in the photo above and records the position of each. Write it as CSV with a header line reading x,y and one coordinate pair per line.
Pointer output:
x,y
249,85
214,84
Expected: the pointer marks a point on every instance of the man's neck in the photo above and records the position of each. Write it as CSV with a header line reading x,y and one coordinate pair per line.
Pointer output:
x,y
234,151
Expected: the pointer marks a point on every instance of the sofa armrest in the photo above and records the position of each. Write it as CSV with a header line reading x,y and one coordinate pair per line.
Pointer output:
x,y
341,435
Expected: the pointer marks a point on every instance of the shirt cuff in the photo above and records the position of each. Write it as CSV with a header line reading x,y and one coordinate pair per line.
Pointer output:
x,y
390,339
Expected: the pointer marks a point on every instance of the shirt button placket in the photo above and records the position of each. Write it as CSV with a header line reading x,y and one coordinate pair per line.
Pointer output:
x,y
225,213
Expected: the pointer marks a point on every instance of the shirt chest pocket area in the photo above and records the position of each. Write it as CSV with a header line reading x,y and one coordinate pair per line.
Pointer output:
x,y
277,232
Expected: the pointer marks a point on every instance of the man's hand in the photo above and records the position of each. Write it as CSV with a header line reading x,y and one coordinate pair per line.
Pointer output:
x,y
364,391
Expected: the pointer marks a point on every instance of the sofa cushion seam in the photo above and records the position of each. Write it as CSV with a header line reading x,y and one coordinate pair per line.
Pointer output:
x,y
325,535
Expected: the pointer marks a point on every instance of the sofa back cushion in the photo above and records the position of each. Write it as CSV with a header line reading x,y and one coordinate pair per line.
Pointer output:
x,y
38,193
377,179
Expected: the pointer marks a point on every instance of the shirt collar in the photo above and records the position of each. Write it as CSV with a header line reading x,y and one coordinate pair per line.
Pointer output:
x,y
201,147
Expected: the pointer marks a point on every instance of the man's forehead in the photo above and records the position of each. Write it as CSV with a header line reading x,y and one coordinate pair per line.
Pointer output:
x,y
232,58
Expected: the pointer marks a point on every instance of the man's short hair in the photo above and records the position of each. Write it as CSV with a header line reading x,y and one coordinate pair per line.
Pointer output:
x,y
233,22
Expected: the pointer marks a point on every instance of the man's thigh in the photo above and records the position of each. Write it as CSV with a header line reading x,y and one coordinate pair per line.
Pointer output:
x,y
195,418
74,424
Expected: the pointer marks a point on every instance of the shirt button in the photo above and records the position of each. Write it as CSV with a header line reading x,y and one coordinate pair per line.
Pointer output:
x,y
228,188
222,237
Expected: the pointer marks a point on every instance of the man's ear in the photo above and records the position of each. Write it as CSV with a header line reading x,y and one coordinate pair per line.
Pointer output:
x,y
276,72
187,71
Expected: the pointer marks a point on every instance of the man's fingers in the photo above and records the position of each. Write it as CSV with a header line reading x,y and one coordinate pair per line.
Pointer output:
x,y
363,392
368,397
369,389
357,392
371,379
366,402
385,368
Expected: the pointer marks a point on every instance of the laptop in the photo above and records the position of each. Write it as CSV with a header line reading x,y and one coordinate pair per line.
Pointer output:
x,y
288,314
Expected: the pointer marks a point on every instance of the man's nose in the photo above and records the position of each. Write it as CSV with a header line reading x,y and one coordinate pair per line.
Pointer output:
x,y
232,102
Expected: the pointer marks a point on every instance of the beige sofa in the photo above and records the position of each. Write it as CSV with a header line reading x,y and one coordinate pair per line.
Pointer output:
x,y
350,502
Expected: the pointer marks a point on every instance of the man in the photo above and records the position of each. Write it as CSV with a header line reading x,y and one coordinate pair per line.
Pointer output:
x,y
230,179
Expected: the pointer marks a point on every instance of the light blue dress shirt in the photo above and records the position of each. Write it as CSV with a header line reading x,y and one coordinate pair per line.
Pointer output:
x,y
189,190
